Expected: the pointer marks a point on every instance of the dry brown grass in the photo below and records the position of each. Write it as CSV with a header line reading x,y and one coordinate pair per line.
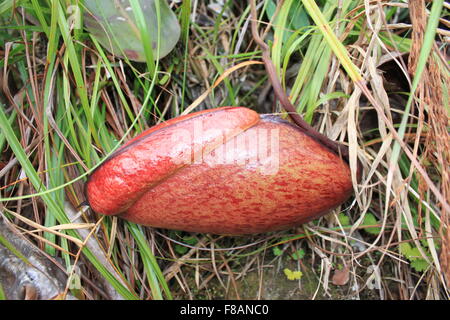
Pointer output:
x,y
342,261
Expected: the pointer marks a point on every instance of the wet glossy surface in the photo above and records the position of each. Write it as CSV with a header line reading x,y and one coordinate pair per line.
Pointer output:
x,y
268,177
249,195
160,151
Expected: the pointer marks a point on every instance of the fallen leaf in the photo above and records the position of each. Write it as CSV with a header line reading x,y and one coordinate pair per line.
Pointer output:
x,y
341,277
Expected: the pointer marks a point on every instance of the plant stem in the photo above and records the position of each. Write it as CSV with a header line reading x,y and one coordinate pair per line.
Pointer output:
x,y
283,98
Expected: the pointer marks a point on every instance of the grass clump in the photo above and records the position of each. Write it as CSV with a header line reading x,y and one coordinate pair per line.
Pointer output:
x,y
373,76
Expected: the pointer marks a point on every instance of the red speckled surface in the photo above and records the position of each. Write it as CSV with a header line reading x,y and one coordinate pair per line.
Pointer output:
x,y
159,152
244,194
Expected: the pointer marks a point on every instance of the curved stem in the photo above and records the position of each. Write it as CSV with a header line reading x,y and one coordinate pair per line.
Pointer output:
x,y
282,97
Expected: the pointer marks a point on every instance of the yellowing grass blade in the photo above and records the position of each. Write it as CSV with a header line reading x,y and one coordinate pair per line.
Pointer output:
x,y
333,41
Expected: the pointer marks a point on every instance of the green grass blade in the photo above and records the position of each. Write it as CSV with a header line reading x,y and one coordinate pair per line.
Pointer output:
x,y
8,245
61,216
185,25
336,45
12,117
280,27
76,68
154,274
2,293
145,35
40,15
7,5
